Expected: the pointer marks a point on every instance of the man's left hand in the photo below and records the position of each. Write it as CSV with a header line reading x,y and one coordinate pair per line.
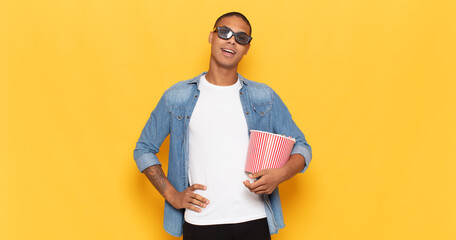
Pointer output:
x,y
268,180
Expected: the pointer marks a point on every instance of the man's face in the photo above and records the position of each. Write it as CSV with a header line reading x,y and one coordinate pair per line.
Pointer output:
x,y
228,53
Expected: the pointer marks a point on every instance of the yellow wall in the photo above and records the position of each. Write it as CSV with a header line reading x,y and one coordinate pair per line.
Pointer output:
x,y
371,83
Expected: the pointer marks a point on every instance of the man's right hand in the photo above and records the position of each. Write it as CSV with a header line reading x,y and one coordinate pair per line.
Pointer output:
x,y
189,199
186,199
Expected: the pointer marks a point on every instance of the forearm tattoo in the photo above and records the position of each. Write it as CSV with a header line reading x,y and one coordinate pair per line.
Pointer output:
x,y
157,178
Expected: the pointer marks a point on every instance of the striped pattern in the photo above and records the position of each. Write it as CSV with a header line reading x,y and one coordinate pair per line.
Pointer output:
x,y
267,150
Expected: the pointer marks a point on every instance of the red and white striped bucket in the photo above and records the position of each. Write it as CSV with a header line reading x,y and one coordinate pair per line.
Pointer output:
x,y
267,150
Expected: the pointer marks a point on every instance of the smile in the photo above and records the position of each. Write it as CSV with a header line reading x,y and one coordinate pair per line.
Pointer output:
x,y
229,51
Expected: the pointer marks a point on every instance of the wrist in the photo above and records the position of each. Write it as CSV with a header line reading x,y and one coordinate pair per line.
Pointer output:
x,y
294,165
284,173
287,173
170,195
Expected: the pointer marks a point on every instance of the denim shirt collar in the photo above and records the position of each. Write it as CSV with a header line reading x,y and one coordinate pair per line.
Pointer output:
x,y
196,79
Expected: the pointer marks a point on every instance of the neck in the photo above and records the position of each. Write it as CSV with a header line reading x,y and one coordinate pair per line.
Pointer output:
x,y
221,76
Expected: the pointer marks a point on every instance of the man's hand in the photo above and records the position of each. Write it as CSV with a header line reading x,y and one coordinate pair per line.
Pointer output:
x,y
270,179
188,199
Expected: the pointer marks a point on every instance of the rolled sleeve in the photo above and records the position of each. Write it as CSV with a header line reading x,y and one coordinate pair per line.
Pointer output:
x,y
146,160
305,152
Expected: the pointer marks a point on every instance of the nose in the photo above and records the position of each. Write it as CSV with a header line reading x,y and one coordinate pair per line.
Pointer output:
x,y
232,40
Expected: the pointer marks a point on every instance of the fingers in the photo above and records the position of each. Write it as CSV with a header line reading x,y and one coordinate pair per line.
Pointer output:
x,y
200,199
256,184
197,196
257,188
262,189
259,181
247,184
252,186
258,174
261,186
193,208
197,186
195,201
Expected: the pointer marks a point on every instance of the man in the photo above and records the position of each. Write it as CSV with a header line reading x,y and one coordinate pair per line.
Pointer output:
x,y
208,195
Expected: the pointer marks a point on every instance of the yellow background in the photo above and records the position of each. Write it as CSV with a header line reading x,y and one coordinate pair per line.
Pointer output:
x,y
370,83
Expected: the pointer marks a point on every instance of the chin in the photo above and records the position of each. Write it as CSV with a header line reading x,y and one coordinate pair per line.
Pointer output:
x,y
227,65
222,62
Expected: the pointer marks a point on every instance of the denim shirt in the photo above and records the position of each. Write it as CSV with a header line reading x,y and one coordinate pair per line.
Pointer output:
x,y
263,110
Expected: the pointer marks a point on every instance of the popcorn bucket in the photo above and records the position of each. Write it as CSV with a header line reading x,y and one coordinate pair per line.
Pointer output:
x,y
267,150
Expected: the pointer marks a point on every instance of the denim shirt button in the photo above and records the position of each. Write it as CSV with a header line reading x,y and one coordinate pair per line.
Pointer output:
x,y
196,96
240,93
261,113
180,117
247,113
188,117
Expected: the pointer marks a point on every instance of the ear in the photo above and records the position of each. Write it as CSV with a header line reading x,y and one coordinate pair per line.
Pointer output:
x,y
210,37
247,49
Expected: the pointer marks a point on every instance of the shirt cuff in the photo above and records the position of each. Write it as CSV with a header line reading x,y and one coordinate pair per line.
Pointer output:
x,y
305,152
146,160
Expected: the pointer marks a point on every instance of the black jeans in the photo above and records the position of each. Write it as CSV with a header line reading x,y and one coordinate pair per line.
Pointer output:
x,y
251,230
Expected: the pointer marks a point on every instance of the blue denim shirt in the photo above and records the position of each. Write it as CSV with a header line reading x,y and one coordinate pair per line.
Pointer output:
x,y
263,110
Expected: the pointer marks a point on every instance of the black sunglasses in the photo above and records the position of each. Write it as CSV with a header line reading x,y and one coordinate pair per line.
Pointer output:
x,y
226,33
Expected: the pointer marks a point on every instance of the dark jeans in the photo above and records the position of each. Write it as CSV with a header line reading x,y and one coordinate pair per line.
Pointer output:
x,y
251,230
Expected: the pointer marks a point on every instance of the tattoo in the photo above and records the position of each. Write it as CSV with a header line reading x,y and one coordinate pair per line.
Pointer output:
x,y
157,177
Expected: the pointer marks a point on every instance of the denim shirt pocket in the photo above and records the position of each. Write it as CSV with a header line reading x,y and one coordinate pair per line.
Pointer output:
x,y
177,123
262,109
262,117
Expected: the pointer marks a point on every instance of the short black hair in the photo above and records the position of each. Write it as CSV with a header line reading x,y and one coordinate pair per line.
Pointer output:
x,y
236,14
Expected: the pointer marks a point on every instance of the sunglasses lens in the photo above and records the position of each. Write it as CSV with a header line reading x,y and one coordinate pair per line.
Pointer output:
x,y
225,33
242,38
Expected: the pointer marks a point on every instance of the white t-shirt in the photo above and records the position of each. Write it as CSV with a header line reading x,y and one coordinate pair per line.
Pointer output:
x,y
218,142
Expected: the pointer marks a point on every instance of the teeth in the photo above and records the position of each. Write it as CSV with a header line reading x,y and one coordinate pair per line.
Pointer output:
x,y
227,50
